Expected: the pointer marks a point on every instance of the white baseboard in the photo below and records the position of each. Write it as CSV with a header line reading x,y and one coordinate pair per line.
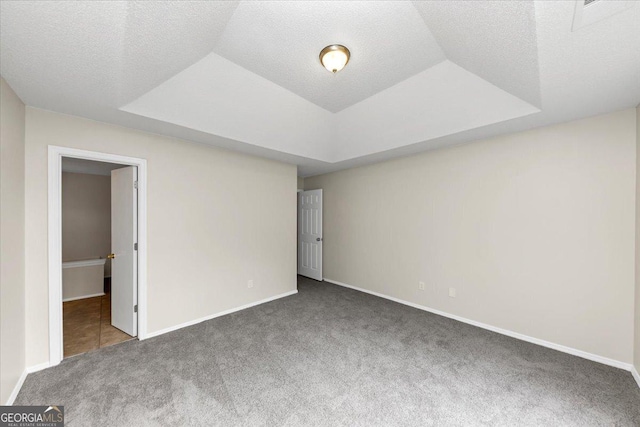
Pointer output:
x,y
554,346
213,316
16,389
83,297
38,367
635,374
45,365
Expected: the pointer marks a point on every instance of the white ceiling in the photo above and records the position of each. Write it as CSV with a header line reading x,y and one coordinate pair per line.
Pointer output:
x,y
495,41
246,76
280,41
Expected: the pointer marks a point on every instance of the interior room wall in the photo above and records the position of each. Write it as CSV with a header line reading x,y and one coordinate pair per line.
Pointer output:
x,y
82,279
534,231
300,183
86,217
12,268
637,300
216,219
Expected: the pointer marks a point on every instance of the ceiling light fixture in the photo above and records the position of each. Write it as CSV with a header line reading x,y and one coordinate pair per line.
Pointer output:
x,y
334,57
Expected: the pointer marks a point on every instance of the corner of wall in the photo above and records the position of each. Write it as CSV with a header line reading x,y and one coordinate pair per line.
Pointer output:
x,y
440,185
12,245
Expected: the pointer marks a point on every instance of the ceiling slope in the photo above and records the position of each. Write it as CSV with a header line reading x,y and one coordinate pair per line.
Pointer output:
x,y
497,42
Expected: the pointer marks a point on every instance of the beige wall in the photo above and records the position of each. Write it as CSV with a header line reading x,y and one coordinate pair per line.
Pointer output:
x,y
300,183
86,217
534,230
637,300
216,219
12,284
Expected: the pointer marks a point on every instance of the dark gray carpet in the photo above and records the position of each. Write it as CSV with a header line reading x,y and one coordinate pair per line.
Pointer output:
x,y
332,356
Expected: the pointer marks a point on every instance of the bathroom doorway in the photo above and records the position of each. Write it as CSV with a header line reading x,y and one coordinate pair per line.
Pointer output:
x,y
99,239
98,219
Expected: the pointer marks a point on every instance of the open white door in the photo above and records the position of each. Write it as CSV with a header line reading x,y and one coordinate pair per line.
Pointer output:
x,y
310,234
124,238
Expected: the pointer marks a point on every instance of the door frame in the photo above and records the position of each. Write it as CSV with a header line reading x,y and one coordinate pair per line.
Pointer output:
x,y
56,153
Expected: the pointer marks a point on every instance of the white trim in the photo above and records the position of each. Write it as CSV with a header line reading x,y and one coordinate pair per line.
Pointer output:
x,y
84,263
621,365
554,346
38,367
635,374
16,389
55,154
45,365
83,297
20,383
55,256
222,313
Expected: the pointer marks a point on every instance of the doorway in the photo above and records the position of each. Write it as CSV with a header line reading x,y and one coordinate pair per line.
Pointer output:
x,y
95,298
99,203
310,238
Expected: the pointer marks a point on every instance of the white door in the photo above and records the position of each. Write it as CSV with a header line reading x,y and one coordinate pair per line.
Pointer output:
x,y
310,234
124,238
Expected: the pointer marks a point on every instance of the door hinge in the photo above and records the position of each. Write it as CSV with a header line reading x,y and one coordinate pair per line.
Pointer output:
x,y
135,184
135,246
135,308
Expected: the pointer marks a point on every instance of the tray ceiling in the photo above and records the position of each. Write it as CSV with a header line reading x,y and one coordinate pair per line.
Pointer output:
x,y
246,75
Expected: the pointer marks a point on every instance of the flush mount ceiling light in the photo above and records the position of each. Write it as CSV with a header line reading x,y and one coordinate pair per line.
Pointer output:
x,y
334,57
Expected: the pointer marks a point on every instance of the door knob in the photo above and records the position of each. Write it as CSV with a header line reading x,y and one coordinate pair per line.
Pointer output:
x,y
318,239
111,256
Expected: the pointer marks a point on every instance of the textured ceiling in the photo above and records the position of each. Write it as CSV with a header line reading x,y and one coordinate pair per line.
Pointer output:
x,y
398,88
246,76
51,61
494,41
104,53
219,97
156,31
280,41
442,100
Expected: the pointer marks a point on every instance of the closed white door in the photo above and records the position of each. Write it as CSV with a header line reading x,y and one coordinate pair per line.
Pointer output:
x,y
124,238
310,234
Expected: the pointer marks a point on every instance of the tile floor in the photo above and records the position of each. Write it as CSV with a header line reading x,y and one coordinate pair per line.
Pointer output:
x,y
87,325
